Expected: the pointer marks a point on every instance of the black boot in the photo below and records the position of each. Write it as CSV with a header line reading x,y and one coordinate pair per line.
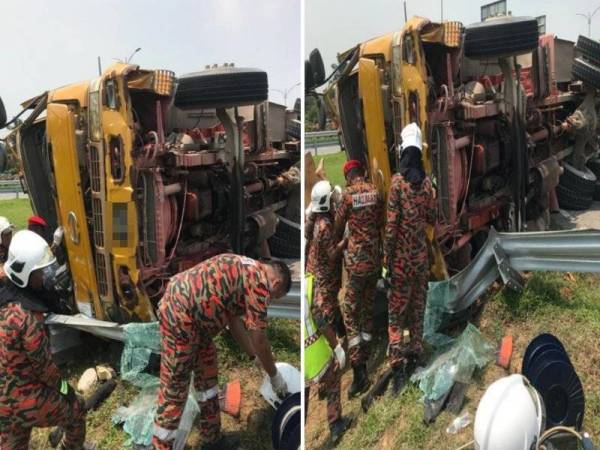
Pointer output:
x,y
360,381
338,428
226,442
398,380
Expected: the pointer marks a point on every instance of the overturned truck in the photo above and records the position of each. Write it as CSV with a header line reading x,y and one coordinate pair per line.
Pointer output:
x,y
501,108
149,174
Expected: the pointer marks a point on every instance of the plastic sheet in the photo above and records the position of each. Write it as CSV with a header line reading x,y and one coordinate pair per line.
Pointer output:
x,y
438,294
141,340
455,362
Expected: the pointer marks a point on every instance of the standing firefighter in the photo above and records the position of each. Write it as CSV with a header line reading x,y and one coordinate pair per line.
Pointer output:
x,y
323,319
32,393
226,290
361,212
411,207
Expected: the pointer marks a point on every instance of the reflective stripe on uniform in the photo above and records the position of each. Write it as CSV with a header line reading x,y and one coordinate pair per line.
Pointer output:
x,y
163,434
356,340
206,395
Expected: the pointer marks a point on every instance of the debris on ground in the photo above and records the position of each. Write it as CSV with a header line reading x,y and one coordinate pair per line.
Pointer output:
x,y
455,362
141,341
460,422
92,378
505,352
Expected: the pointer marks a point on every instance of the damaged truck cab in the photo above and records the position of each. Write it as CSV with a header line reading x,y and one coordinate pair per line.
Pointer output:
x,y
489,99
149,175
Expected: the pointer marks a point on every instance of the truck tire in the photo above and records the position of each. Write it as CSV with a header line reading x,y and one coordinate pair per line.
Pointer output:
x,y
3,157
285,243
589,49
582,182
568,199
222,87
586,72
507,36
596,196
594,165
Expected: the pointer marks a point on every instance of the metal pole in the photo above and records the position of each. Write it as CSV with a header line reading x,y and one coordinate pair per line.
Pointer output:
x,y
442,6
405,17
99,66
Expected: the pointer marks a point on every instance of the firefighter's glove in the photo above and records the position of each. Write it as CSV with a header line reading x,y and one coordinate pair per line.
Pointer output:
x,y
340,356
67,391
279,385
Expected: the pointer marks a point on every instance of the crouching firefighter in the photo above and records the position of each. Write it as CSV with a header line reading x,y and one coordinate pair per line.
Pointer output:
x,y
411,208
324,360
32,393
361,212
226,290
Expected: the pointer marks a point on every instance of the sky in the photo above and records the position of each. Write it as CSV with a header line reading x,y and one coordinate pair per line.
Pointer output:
x,y
337,25
47,44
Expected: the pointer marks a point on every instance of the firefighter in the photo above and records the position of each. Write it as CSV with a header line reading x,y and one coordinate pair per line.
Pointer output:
x,y
582,124
324,360
32,393
411,207
6,232
361,213
226,290
38,225
324,260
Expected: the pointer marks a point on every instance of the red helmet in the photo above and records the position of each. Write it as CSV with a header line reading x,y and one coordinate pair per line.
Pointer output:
x,y
37,220
352,164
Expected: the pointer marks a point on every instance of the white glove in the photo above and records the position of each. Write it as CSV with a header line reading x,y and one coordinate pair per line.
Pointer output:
x,y
340,356
279,385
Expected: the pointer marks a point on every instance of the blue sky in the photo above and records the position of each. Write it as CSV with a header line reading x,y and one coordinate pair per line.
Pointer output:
x,y
46,44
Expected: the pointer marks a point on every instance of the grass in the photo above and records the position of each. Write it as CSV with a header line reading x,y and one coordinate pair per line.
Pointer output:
x,y
17,211
565,305
333,164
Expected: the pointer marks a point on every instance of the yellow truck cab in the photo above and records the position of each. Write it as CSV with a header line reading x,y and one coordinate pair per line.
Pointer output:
x,y
149,174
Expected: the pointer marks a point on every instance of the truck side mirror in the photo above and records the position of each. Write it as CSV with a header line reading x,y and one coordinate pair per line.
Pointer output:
x,y
2,115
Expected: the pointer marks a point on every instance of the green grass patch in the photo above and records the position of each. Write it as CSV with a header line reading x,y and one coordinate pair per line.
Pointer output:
x,y
17,210
334,167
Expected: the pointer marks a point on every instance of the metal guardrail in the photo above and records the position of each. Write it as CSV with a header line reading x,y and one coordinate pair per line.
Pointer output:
x,y
315,139
11,187
286,308
505,254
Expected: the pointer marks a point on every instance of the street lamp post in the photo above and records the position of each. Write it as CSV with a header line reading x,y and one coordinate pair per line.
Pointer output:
x,y
588,17
285,92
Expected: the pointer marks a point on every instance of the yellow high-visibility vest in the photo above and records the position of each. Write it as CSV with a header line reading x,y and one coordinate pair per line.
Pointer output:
x,y
318,354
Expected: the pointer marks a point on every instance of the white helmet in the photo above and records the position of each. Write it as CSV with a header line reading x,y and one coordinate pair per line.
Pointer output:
x,y
4,225
321,197
28,251
510,416
411,136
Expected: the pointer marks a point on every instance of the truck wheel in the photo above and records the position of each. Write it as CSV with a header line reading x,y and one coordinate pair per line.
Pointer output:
x,y
507,36
285,243
586,72
222,87
597,191
3,157
594,165
589,49
582,182
568,199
